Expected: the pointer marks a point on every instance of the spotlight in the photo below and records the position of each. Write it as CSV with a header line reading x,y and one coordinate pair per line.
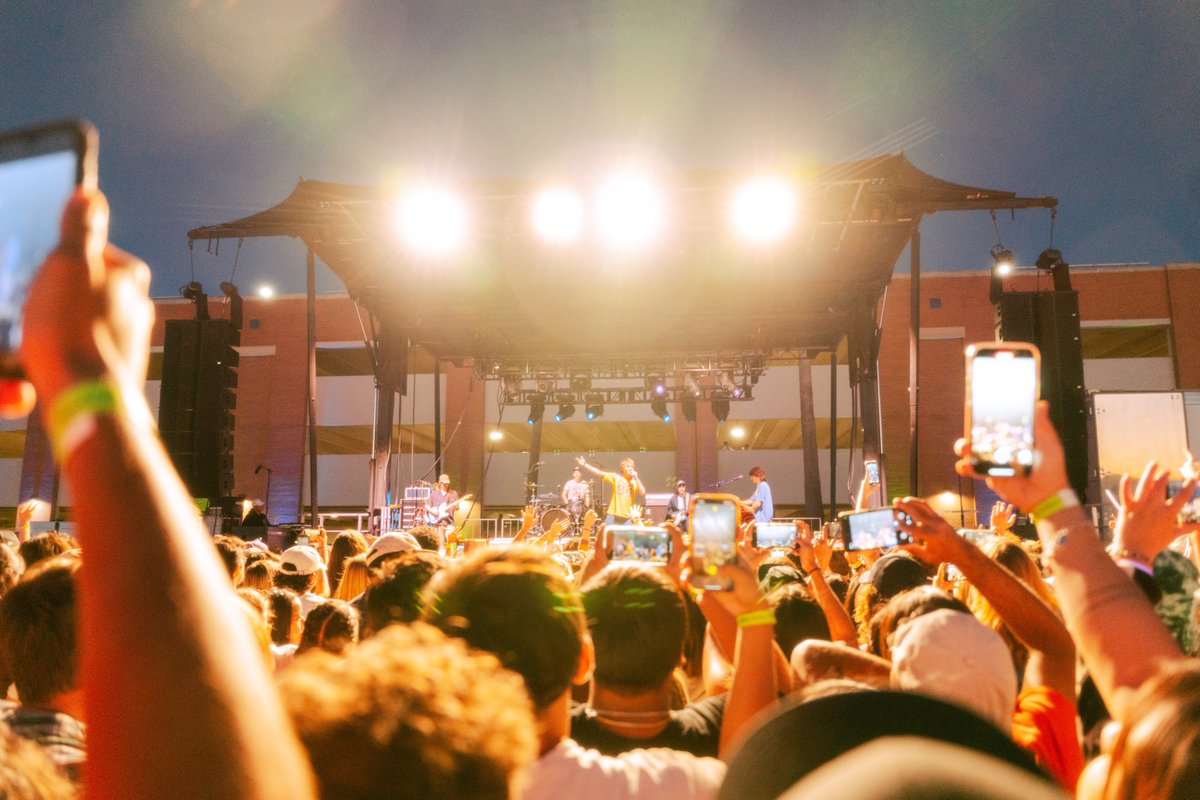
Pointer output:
x,y
656,384
536,409
1002,260
659,407
235,303
558,215
581,382
195,292
737,432
726,380
763,210
433,220
720,409
630,210
496,435
265,291
594,408
1052,261
689,408
565,411
690,383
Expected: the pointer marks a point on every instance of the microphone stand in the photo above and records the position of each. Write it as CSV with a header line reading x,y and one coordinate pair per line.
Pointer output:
x,y
727,480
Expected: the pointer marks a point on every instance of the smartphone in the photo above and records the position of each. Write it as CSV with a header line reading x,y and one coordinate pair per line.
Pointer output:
x,y
302,540
1191,509
39,170
776,535
872,472
649,545
713,520
876,528
1002,389
976,535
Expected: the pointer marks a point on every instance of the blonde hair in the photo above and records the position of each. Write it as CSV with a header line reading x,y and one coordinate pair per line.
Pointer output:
x,y
355,578
1012,557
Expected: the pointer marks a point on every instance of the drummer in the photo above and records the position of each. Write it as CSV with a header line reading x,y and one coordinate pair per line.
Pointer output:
x,y
577,493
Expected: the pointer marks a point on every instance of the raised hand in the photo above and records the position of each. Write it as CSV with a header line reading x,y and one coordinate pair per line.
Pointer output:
x,y
1147,521
1003,517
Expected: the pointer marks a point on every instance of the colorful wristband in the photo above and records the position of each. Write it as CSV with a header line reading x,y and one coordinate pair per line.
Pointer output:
x,y
73,414
1063,498
762,616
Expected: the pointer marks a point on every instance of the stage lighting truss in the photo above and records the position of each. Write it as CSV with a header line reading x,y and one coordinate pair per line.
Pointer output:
x,y
624,382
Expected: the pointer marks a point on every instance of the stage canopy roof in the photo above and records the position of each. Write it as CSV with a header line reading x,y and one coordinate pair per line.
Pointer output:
x,y
509,298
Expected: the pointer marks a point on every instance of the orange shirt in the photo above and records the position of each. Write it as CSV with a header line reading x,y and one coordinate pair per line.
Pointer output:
x,y
1044,724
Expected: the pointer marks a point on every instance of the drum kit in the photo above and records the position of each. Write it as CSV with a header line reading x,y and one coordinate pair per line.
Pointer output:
x,y
550,510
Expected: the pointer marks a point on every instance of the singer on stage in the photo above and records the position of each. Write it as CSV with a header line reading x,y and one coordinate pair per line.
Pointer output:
x,y
625,488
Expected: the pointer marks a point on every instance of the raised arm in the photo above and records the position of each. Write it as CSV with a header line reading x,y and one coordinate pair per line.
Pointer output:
x,y
841,625
1121,639
177,697
581,461
1052,652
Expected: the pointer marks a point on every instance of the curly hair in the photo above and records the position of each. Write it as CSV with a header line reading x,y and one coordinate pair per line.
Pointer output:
x,y
411,713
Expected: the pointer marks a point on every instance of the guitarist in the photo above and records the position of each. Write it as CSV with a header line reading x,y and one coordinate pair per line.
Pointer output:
x,y
439,508
626,486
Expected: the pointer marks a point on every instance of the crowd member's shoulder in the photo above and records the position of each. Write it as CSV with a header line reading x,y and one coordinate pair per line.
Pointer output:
x,y
570,769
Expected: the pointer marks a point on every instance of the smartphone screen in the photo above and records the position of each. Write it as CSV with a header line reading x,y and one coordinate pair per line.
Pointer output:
x,y
868,530
713,521
1002,391
1191,509
976,535
302,540
651,545
872,473
776,535
39,170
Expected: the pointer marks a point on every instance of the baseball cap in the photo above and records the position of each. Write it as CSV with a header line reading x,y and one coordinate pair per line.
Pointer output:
x,y
300,560
389,543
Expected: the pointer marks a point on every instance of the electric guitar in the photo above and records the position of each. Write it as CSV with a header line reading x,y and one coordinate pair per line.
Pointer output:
x,y
443,513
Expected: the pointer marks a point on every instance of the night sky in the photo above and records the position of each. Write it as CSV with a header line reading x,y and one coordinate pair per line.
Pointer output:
x,y
208,111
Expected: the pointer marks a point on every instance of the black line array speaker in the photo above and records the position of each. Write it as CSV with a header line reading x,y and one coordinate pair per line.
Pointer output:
x,y
197,401
1050,320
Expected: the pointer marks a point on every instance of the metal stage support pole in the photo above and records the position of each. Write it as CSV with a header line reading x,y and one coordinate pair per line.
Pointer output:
x,y
312,389
437,418
833,426
381,454
914,361
535,452
813,504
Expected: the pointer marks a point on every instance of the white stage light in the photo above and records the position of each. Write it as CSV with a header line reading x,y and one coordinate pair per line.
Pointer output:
x,y
432,220
496,435
558,215
265,291
630,210
763,210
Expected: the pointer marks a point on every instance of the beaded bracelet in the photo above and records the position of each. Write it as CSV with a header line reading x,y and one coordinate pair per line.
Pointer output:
x,y
762,616
73,415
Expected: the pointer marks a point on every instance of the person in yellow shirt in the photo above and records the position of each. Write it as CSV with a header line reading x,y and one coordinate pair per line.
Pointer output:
x,y
626,486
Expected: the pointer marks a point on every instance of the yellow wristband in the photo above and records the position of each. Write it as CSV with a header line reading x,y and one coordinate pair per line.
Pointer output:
x,y
1063,498
762,616
73,414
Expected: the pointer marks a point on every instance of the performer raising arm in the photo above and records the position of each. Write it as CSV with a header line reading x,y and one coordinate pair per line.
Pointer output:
x,y
625,487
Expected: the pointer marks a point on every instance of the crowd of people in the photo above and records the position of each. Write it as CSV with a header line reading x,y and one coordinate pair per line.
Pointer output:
x,y
146,659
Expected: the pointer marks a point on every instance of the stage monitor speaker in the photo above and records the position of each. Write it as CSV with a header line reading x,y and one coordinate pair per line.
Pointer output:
x,y
1050,320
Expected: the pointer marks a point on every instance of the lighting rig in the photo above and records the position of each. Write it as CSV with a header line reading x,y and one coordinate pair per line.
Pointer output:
x,y
624,381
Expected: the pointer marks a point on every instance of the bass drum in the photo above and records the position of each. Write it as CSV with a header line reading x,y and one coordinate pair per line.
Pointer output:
x,y
551,516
